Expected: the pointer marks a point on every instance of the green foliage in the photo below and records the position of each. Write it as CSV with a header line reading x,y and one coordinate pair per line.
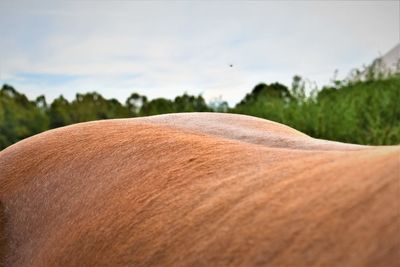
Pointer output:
x,y
188,103
19,117
355,110
135,103
157,106
92,106
363,112
59,112
265,93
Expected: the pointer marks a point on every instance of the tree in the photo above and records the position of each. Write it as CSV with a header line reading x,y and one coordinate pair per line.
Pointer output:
x,y
135,103
265,92
59,112
19,117
189,103
158,106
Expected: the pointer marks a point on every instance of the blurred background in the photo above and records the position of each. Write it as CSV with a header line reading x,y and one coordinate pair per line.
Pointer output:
x,y
330,69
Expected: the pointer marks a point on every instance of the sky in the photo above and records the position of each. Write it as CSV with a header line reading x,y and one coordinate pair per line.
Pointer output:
x,y
166,48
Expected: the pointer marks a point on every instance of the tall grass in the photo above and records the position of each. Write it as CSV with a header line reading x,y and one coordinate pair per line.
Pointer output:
x,y
362,112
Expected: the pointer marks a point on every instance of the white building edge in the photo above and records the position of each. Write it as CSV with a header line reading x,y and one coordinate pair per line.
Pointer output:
x,y
383,66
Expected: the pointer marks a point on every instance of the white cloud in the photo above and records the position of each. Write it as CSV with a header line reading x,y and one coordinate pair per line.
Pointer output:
x,y
166,48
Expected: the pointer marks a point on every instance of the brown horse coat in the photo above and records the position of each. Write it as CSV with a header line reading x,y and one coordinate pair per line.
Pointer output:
x,y
197,190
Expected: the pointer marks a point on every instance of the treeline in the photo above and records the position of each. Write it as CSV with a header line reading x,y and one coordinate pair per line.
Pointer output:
x,y
21,117
364,112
